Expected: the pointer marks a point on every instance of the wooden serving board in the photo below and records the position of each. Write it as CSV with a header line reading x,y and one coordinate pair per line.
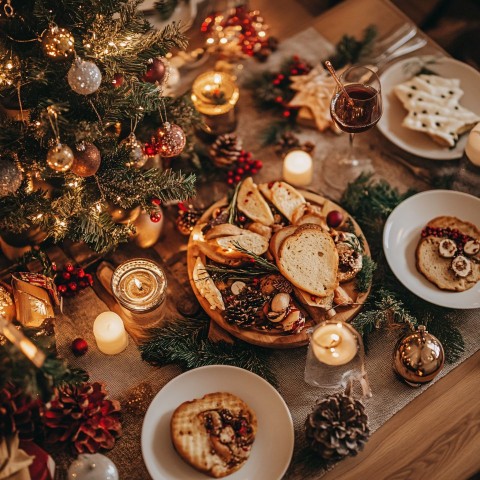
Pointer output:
x,y
273,339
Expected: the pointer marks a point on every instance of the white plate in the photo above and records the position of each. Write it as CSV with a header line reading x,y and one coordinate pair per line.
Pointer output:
x,y
273,446
402,232
419,143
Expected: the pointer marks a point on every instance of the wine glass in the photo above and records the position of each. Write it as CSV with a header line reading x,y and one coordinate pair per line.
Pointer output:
x,y
355,108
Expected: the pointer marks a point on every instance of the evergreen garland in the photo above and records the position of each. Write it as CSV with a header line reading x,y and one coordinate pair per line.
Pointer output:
x,y
185,342
370,202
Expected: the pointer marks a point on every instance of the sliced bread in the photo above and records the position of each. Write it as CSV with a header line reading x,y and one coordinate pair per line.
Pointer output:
x,y
204,433
286,198
206,286
253,242
309,260
279,237
251,202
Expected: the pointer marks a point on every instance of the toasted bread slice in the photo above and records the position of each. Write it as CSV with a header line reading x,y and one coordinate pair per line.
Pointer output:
x,y
438,269
466,228
279,237
286,198
306,208
313,219
203,439
306,298
206,286
223,230
309,260
251,202
251,241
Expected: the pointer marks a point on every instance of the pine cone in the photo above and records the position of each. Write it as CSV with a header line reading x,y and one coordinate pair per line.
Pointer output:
x,y
18,413
337,427
242,309
226,150
289,141
83,416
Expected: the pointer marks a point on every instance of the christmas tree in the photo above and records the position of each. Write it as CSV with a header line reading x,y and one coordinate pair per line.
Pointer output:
x,y
76,80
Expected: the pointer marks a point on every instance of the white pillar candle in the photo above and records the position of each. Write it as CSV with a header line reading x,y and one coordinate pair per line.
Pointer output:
x,y
472,148
334,344
110,333
297,168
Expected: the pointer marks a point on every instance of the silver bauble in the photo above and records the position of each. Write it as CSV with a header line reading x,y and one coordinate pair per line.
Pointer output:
x,y
10,177
60,158
136,157
92,467
84,77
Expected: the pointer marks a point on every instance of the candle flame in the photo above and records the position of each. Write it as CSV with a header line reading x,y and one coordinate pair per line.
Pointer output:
x,y
217,78
138,283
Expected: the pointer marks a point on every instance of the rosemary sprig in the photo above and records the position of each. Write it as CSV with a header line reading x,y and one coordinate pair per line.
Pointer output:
x,y
232,207
257,266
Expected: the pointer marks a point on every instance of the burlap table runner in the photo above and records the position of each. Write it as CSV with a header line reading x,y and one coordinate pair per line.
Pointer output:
x,y
135,383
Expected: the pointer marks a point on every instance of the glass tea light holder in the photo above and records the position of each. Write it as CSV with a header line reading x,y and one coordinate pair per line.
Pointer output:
x,y
140,286
214,95
335,357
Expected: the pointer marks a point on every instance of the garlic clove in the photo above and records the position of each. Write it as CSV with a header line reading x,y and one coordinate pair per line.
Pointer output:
x,y
276,316
447,248
472,247
462,266
237,287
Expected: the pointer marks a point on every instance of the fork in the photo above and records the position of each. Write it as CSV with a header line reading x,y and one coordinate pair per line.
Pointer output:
x,y
409,47
420,172
390,43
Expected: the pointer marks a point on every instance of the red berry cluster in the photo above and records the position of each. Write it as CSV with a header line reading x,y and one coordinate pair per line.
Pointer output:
x,y
452,233
71,280
281,83
245,165
156,215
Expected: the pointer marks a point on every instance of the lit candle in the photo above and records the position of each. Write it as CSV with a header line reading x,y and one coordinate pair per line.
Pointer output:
x,y
140,286
110,333
215,95
334,344
297,168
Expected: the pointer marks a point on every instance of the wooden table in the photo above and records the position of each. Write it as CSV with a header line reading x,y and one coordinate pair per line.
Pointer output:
x,y
438,434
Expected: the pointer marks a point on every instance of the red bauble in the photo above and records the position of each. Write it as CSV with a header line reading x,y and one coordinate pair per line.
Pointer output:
x,y
87,160
334,218
117,80
155,217
79,347
171,140
156,201
156,71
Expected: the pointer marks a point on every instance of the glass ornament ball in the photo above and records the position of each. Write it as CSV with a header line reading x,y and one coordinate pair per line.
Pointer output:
x,y
87,160
60,158
136,157
171,140
58,43
156,71
10,178
84,77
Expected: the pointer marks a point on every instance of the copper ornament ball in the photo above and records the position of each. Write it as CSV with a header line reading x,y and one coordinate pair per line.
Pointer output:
x,y
87,160
418,358
136,157
58,43
171,140
60,158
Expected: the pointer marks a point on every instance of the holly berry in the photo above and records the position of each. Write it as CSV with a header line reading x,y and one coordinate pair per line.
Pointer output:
x,y
73,286
155,217
230,181
69,267
117,80
334,218
66,275
62,289
79,347
89,278
80,272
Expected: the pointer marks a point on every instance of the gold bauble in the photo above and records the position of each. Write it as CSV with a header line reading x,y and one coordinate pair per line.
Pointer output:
x,y
58,43
123,215
60,158
87,160
147,232
418,358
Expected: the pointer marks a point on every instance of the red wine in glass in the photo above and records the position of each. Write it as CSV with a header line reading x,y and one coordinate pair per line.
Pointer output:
x,y
360,113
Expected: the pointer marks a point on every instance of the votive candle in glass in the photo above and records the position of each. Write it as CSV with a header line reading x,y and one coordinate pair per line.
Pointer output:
x,y
214,95
140,286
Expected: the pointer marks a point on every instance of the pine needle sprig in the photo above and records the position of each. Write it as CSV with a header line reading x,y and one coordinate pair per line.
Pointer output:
x,y
186,343
364,278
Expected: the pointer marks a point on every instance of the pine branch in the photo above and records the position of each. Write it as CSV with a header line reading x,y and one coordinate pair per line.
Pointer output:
x,y
364,278
186,343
